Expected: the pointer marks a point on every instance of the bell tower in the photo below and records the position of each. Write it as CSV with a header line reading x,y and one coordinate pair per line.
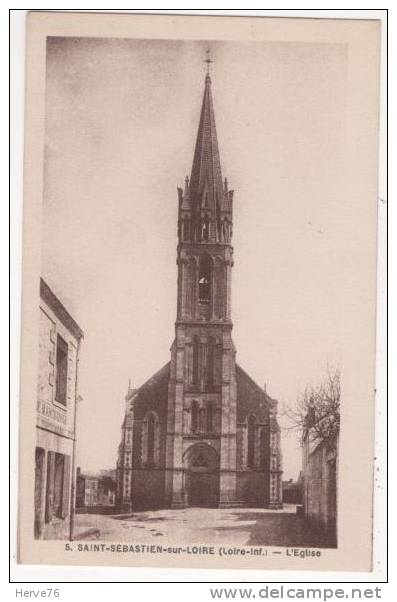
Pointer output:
x,y
202,387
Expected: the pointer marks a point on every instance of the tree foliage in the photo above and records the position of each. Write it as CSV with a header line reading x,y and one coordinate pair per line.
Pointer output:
x,y
318,409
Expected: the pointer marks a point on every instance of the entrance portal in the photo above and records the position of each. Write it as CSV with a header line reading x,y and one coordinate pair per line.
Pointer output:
x,y
202,476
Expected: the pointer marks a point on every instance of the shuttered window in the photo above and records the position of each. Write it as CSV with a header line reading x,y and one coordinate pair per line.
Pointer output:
x,y
61,371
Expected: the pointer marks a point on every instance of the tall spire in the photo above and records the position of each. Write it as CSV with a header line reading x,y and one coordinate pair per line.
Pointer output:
x,y
206,203
206,176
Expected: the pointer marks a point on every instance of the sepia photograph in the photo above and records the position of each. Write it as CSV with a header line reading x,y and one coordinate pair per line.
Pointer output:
x,y
200,292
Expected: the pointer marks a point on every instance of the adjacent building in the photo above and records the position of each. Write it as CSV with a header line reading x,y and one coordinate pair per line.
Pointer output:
x,y
95,489
59,344
320,477
201,432
87,490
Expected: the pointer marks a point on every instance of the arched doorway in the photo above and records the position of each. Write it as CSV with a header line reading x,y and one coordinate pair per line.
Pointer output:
x,y
201,465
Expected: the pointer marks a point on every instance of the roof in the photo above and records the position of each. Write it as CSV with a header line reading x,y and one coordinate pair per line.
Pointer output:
x,y
250,396
59,310
153,390
152,382
153,394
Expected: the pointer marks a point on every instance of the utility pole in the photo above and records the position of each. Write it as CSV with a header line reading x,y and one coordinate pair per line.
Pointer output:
x,y
77,399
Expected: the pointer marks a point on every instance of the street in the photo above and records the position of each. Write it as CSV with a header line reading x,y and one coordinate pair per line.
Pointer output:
x,y
237,526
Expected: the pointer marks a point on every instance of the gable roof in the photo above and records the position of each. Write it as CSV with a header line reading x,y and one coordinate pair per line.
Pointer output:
x,y
59,310
154,382
153,394
250,396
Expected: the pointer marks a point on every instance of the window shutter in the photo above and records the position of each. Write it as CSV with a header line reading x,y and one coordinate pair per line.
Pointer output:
x,y
49,498
66,487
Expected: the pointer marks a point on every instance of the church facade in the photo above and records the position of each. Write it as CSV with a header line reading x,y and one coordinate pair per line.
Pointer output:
x,y
201,432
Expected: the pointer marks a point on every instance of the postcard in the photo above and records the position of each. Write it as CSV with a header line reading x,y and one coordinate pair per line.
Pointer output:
x,y
199,291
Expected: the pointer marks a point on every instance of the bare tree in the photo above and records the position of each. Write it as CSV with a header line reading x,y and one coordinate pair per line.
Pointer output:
x,y
318,409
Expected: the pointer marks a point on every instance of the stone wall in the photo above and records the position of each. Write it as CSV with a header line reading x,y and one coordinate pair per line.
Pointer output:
x,y
320,485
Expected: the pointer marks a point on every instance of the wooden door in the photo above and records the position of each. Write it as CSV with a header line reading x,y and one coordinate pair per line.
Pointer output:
x,y
203,489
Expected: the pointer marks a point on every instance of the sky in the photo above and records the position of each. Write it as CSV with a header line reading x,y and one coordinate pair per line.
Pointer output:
x,y
121,122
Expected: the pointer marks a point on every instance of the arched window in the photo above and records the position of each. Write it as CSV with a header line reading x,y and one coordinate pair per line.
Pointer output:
x,y
195,372
151,439
205,280
151,430
220,288
202,424
210,417
251,441
263,448
210,361
205,229
196,229
225,231
186,229
190,276
194,417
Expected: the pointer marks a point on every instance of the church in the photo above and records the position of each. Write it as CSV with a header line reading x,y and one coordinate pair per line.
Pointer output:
x,y
201,432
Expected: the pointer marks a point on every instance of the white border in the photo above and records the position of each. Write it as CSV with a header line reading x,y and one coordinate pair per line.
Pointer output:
x,y
28,573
